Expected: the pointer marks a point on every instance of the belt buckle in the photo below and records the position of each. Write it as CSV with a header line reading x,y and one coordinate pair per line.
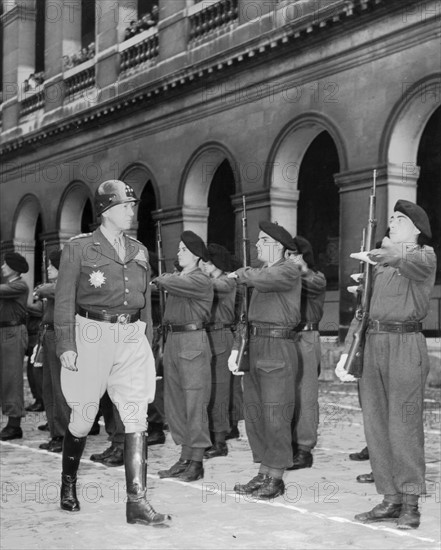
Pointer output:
x,y
123,318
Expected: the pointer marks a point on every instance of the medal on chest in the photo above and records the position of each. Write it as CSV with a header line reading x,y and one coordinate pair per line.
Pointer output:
x,y
97,279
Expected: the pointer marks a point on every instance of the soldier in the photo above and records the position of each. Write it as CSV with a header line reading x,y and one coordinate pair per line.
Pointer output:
x,y
57,410
220,337
269,395
187,355
396,364
306,414
13,342
102,314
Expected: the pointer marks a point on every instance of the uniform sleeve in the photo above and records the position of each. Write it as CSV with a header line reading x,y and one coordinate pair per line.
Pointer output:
x,y
192,285
413,262
146,311
313,283
65,297
47,291
223,285
272,279
10,291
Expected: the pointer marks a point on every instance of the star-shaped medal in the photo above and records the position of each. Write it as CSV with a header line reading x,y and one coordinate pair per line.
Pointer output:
x,y
97,279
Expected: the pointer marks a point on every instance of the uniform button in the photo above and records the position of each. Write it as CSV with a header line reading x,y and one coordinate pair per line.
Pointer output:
x,y
125,267
127,290
126,278
125,303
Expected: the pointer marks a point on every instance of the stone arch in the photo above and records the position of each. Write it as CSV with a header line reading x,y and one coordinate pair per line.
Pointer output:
x,y
195,184
25,221
137,175
402,134
285,159
72,204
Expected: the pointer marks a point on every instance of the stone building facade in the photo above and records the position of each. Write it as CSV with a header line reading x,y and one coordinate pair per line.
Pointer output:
x,y
290,103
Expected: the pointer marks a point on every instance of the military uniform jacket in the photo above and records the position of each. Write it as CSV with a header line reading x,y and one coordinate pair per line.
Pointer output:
x,y
224,300
190,297
276,292
313,296
13,301
47,291
93,276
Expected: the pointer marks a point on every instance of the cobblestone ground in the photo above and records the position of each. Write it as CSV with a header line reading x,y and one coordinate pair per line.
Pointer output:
x,y
316,511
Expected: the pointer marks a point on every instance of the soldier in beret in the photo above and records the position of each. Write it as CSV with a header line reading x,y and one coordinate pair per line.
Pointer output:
x,y
306,414
220,335
187,356
269,393
396,364
104,326
57,410
14,294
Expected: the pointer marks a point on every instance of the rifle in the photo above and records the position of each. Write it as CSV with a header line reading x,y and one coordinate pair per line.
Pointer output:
x,y
242,328
354,361
160,335
37,357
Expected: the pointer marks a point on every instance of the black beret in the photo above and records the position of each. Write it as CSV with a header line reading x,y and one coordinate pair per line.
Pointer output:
x,y
16,262
304,247
277,232
195,244
416,214
220,256
55,258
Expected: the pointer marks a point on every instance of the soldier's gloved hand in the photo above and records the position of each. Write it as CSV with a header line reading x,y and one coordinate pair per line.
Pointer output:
x,y
232,361
341,372
69,360
363,257
352,289
357,277
232,275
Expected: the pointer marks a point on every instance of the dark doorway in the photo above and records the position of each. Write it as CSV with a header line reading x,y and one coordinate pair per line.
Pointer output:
x,y
87,218
87,22
221,219
318,207
40,245
146,223
429,182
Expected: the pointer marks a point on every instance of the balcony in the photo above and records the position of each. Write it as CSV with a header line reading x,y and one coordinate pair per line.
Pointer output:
x,y
140,51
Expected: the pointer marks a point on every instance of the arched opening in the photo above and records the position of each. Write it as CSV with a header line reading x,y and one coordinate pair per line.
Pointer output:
x,y
75,213
318,206
221,218
146,223
87,217
39,35
39,258
429,182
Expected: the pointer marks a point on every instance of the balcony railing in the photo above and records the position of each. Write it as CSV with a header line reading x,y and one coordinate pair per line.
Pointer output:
x,y
217,17
32,103
79,78
142,48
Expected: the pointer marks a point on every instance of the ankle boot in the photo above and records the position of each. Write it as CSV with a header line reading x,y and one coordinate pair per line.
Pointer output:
x,y
73,448
138,509
193,472
410,517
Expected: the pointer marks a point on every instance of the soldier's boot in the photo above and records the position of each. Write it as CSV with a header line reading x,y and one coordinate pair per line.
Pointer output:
x,y
410,517
385,511
193,472
174,471
138,509
73,448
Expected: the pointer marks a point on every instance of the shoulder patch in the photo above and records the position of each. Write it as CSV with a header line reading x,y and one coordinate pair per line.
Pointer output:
x,y
80,236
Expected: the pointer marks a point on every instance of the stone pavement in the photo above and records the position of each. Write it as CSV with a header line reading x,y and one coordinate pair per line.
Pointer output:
x,y
316,512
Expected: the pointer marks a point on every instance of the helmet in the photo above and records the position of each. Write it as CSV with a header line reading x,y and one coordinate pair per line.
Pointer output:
x,y
113,192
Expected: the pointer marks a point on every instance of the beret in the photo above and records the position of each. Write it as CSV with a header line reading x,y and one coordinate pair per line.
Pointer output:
x,y
277,232
220,256
304,247
16,262
195,244
55,258
416,214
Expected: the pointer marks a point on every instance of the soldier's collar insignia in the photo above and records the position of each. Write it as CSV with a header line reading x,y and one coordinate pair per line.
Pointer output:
x,y
97,279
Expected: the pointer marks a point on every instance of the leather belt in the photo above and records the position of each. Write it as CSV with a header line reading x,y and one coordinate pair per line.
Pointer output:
x,y
169,327
399,328
276,332
303,327
4,324
210,327
122,318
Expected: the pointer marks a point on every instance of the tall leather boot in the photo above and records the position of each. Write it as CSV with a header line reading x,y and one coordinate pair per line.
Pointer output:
x,y
138,509
73,448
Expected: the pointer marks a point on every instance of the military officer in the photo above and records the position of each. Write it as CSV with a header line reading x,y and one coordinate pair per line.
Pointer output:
x,y
396,364
13,342
187,356
57,410
102,315
220,335
269,395
306,414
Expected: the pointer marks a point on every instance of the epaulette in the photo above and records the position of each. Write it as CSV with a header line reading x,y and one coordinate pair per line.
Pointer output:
x,y
133,239
80,236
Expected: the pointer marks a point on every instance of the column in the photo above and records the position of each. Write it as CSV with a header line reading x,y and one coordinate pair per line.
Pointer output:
x,y
172,28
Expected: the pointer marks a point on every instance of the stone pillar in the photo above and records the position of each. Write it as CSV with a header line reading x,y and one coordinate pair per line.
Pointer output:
x,y
171,228
18,27
112,18
62,37
172,28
